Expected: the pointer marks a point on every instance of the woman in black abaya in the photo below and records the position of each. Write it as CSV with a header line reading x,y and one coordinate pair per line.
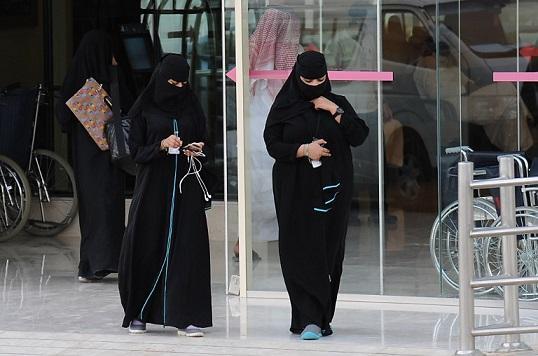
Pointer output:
x,y
164,275
100,184
309,125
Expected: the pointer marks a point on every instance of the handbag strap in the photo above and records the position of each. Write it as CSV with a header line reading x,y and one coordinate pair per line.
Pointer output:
x,y
116,110
115,93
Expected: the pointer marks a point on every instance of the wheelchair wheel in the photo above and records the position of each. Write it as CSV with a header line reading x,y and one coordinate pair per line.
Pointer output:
x,y
527,253
14,198
54,195
444,242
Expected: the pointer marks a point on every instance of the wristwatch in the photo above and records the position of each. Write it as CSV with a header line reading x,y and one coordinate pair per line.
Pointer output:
x,y
339,111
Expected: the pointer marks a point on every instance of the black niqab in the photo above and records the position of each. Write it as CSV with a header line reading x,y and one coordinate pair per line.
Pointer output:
x,y
295,95
161,94
94,56
311,65
169,97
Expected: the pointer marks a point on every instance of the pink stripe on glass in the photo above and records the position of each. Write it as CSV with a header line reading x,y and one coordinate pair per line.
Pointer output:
x,y
333,75
515,76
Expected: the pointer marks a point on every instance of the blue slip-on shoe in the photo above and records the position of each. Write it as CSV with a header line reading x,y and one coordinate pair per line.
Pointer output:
x,y
311,332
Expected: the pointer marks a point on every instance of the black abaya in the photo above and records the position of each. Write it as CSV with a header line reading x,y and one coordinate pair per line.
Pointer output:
x,y
180,295
100,184
311,240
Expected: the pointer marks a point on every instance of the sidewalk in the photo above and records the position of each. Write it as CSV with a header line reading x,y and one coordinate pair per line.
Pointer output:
x,y
167,343
53,325
217,342
45,311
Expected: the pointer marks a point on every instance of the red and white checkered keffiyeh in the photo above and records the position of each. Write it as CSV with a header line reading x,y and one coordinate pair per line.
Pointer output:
x,y
274,45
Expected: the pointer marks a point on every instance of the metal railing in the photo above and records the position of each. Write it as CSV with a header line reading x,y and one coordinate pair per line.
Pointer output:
x,y
510,278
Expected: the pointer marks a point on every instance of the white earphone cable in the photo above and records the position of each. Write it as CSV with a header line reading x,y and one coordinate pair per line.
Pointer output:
x,y
195,167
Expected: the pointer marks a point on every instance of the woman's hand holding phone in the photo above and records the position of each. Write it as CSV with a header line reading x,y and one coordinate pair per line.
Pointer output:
x,y
194,149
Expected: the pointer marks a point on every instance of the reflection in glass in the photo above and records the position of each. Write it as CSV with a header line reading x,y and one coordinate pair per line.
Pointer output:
x,y
348,36
410,128
350,30
489,116
443,96
274,44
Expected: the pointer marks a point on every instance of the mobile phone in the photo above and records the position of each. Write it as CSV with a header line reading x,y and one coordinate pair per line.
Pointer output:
x,y
315,163
172,150
195,153
193,149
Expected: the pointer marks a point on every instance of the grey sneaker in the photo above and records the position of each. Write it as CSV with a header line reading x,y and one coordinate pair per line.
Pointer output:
x,y
137,327
191,331
82,279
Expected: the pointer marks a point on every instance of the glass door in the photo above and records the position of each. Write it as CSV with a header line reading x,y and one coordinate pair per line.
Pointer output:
x,y
350,43
475,41
402,233
278,30
409,163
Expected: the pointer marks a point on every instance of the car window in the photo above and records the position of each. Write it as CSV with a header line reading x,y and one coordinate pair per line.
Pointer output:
x,y
489,29
404,36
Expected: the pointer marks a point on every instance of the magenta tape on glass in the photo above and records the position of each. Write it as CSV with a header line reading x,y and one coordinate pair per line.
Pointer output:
x,y
515,76
370,76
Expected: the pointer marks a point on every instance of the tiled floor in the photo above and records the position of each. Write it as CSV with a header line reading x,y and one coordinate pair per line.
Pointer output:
x,y
407,265
45,311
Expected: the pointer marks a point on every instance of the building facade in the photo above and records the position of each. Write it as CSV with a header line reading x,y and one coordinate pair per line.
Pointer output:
x,y
442,55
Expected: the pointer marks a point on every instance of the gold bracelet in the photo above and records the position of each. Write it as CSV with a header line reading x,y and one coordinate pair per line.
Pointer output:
x,y
306,150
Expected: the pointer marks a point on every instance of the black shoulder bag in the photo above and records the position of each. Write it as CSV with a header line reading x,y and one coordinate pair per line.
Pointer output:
x,y
117,131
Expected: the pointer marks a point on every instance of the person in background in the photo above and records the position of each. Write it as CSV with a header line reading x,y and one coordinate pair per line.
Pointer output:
x,y
100,184
164,274
309,132
274,45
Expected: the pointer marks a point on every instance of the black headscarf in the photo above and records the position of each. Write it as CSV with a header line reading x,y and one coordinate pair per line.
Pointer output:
x,y
166,96
93,59
295,95
162,95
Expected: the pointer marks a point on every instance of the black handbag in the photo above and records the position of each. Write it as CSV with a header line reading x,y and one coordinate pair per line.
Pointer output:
x,y
117,131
